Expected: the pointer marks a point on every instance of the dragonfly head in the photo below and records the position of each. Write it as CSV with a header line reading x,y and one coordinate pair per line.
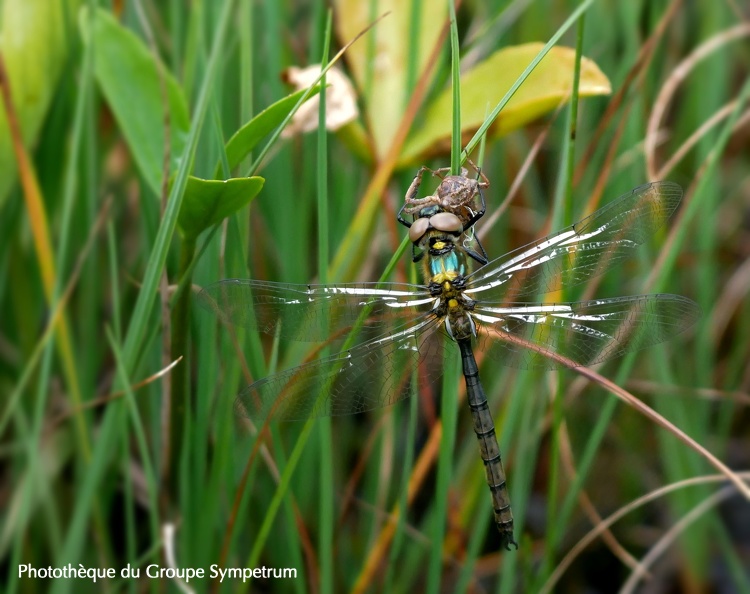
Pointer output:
x,y
440,223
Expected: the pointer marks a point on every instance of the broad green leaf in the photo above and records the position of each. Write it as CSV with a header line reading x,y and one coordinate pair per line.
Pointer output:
x,y
380,62
483,86
209,201
128,75
246,138
34,42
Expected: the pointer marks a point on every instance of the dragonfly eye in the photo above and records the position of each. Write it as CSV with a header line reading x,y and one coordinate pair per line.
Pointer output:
x,y
447,222
418,229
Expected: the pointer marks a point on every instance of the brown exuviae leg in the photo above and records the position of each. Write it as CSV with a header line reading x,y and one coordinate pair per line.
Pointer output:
x,y
485,183
411,193
441,172
412,203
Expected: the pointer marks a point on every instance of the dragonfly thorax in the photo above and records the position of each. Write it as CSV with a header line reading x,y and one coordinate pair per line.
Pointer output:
x,y
454,308
444,272
445,260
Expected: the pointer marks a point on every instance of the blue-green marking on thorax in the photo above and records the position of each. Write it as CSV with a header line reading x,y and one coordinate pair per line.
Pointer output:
x,y
449,263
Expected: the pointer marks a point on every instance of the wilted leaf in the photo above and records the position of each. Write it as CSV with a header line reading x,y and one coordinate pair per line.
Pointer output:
x,y
34,44
484,85
380,61
128,76
208,201
248,136
341,100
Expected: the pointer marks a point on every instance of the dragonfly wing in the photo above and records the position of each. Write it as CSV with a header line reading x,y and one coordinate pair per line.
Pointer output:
x,y
586,249
312,312
587,332
368,376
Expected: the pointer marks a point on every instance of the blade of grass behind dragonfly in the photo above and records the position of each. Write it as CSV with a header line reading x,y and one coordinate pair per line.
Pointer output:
x,y
449,418
562,217
394,567
150,478
196,490
483,516
456,91
225,371
529,408
325,523
449,401
212,374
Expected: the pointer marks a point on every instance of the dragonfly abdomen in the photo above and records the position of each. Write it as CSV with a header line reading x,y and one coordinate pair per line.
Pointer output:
x,y
484,427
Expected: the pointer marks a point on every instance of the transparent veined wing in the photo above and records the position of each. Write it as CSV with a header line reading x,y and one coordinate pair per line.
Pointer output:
x,y
312,313
583,250
371,375
587,332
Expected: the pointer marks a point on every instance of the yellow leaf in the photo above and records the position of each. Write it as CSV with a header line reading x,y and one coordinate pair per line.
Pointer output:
x,y
484,86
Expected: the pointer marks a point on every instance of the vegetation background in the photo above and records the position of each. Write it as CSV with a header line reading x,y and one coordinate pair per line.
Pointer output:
x,y
102,230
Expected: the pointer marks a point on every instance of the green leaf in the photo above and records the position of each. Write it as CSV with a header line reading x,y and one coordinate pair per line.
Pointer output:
x,y
248,136
129,76
485,84
208,201
34,43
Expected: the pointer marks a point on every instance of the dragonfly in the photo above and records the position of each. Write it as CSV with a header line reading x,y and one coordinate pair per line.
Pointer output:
x,y
494,309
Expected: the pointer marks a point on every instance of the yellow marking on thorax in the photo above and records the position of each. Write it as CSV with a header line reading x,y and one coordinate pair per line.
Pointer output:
x,y
444,278
452,303
438,245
